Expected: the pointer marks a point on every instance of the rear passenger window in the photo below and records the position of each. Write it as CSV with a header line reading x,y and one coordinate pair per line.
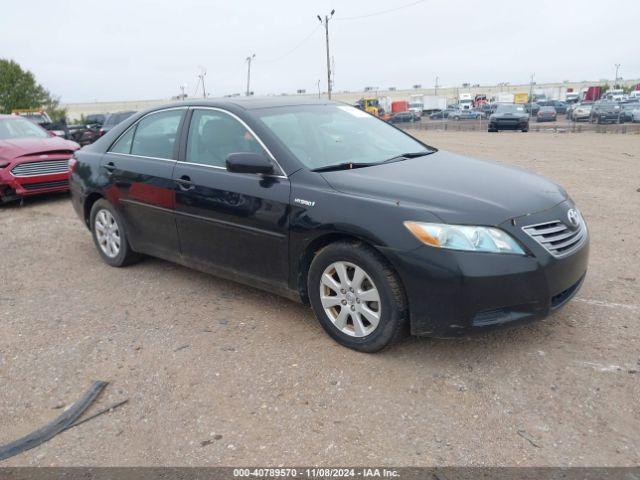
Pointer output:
x,y
156,134
123,145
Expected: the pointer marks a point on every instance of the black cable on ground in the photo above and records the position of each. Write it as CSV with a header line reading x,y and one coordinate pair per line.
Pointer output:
x,y
60,424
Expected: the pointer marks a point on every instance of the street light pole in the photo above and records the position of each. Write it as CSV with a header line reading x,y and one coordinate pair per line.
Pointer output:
x,y
249,59
326,33
203,73
615,82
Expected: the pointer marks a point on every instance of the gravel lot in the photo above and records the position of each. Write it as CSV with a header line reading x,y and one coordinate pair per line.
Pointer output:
x,y
221,374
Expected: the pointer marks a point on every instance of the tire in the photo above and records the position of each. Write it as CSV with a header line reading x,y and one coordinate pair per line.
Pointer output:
x,y
380,278
102,212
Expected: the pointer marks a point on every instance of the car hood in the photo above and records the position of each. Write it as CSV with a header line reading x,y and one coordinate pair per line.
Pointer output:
x,y
455,188
19,147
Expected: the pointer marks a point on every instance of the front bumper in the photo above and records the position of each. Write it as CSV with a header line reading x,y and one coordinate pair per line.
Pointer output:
x,y
453,292
508,124
13,187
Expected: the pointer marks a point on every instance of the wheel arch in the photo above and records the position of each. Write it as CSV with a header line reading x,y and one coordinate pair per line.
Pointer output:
x,y
88,204
318,243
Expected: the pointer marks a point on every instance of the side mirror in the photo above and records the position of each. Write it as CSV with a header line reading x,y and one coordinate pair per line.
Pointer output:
x,y
247,162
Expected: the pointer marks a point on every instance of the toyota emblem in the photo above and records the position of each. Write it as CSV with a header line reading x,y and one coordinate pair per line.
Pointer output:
x,y
574,217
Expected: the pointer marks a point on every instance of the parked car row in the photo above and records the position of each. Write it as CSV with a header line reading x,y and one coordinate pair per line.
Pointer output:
x,y
603,111
606,111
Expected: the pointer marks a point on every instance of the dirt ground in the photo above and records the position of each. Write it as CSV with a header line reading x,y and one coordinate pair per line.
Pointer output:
x,y
221,374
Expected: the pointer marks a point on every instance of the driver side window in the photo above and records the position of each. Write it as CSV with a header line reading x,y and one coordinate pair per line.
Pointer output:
x,y
213,135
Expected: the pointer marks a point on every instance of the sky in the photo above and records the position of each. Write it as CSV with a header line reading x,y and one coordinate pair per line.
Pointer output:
x,y
144,49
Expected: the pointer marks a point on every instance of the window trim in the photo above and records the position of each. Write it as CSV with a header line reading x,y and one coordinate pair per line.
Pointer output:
x,y
187,128
134,125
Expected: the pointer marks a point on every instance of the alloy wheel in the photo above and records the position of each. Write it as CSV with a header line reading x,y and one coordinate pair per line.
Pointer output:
x,y
350,299
107,233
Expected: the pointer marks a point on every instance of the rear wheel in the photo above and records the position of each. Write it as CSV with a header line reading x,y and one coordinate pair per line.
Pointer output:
x,y
109,235
357,296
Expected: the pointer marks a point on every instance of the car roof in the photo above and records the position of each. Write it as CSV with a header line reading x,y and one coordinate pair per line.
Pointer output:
x,y
254,103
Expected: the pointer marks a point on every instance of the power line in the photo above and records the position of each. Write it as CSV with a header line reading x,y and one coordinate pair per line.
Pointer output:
x,y
302,42
382,12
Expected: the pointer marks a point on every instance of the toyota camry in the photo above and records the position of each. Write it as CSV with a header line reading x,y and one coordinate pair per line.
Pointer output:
x,y
327,205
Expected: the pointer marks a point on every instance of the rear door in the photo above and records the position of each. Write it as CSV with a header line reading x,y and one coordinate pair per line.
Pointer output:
x,y
139,168
235,223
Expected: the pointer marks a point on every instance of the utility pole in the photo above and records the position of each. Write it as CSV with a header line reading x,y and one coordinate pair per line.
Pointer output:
x,y
435,90
325,22
615,82
249,59
531,95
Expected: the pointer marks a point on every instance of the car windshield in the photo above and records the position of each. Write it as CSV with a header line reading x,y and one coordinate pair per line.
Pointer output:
x,y
510,108
35,118
20,128
325,135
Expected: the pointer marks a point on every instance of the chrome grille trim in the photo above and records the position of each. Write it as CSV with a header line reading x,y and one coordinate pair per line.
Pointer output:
x,y
556,237
45,167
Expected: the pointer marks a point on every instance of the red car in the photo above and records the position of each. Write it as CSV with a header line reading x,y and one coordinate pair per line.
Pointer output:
x,y
31,160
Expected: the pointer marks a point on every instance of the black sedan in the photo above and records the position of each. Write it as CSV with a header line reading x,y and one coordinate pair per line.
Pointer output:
x,y
606,112
328,205
402,117
442,113
509,116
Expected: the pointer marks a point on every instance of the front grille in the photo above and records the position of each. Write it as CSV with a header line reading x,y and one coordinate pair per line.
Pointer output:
x,y
556,237
43,185
47,167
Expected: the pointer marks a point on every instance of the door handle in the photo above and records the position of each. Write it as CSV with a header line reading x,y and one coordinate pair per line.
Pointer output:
x,y
185,183
109,167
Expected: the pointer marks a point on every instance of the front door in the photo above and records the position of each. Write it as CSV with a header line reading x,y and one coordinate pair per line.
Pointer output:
x,y
233,223
139,168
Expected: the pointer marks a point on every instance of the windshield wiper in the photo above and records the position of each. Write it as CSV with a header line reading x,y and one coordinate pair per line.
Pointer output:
x,y
404,156
351,165
343,166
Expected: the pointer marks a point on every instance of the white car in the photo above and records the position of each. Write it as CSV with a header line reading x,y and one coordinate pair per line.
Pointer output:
x,y
581,112
636,116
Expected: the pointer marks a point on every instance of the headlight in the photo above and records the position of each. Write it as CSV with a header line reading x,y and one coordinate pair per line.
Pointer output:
x,y
463,237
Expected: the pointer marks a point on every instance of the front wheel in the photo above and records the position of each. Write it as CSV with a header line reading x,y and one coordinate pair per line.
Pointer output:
x,y
357,296
109,235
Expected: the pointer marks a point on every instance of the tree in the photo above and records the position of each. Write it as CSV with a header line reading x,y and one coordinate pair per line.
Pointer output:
x,y
19,90
52,106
